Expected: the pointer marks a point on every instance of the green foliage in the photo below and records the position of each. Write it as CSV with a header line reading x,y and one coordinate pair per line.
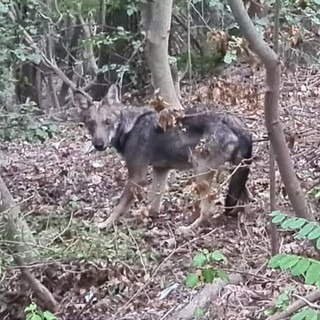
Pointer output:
x,y
23,126
307,268
307,314
282,302
206,272
303,228
199,313
34,313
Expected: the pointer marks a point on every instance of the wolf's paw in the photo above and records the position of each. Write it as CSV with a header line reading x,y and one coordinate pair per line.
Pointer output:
x,y
106,225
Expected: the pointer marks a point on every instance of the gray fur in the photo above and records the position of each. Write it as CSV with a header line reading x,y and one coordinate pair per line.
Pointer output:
x,y
203,141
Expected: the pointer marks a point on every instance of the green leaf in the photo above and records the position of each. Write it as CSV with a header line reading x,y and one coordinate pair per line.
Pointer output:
x,y
298,316
287,224
288,262
276,260
305,230
230,57
199,260
301,267
223,275
31,307
209,275
298,223
306,314
275,213
199,312
279,218
314,234
192,280
47,315
217,256
313,273
318,243
317,2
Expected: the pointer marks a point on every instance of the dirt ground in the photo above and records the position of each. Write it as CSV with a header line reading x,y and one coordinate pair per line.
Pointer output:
x,y
64,190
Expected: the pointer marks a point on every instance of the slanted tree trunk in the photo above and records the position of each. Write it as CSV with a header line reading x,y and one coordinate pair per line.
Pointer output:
x,y
22,246
272,121
16,228
156,21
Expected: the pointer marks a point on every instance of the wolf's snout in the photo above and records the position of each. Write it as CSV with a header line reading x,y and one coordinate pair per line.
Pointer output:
x,y
99,144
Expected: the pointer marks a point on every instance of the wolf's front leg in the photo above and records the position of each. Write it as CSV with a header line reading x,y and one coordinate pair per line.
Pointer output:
x,y
122,207
159,183
137,179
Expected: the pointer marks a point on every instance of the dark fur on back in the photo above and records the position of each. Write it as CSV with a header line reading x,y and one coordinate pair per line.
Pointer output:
x,y
149,144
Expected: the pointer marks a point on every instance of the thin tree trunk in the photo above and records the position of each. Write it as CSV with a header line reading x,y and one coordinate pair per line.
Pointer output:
x,y
156,21
272,121
272,165
71,53
92,69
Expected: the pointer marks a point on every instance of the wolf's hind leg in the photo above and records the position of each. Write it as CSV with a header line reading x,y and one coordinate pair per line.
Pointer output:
x,y
159,183
136,180
204,176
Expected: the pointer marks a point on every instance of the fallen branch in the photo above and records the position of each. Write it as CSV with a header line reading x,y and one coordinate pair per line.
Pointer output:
x,y
295,306
202,298
44,297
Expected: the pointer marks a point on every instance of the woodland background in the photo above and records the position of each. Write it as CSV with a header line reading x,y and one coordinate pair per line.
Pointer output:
x,y
53,258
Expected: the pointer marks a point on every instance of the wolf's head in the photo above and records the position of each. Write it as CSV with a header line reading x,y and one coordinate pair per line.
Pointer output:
x,y
102,118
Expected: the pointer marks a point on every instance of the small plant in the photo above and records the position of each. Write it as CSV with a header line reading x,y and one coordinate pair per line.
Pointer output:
x,y
206,271
307,268
34,313
282,302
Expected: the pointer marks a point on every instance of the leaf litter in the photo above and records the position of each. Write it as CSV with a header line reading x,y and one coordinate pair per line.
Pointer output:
x,y
138,271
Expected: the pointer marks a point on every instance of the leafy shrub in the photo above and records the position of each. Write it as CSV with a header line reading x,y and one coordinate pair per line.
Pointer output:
x,y
206,271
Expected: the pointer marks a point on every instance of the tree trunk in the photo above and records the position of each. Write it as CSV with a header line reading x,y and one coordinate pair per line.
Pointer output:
x,y
156,21
272,121
16,228
71,53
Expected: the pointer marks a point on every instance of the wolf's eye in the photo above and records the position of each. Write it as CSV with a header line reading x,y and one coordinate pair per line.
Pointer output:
x,y
91,124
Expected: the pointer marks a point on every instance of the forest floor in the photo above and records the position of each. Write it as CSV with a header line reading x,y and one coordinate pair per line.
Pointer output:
x,y
123,274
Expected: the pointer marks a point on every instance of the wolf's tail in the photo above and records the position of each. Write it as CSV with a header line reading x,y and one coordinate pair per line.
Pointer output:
x,y
237,186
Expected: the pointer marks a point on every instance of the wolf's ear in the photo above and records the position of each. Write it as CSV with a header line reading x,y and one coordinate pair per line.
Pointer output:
x,y
112,97
80,102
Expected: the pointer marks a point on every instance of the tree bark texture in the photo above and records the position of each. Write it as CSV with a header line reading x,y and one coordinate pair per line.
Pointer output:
x,y
156,21
272,120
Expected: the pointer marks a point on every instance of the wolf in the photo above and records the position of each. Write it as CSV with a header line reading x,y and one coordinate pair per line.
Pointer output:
x,y
203,141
